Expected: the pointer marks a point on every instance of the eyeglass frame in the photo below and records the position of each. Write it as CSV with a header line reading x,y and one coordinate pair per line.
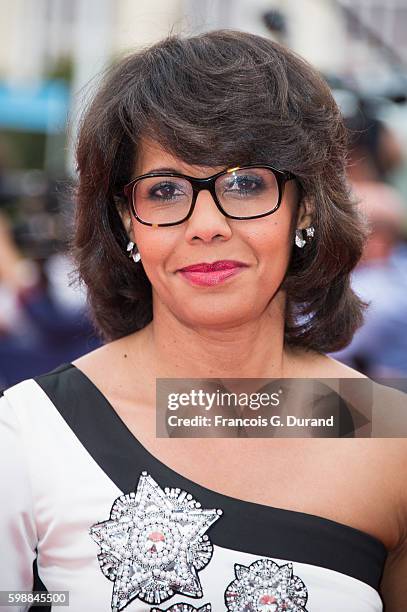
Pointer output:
x,y
208,184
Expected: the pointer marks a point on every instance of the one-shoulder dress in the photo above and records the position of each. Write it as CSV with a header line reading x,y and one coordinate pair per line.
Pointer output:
x,y
97,515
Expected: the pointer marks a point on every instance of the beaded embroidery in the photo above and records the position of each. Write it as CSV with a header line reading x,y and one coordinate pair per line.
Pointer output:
x,y
184,607
153,544
265,586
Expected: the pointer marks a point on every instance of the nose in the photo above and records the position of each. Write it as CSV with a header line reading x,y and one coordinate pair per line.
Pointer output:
x,y
207,221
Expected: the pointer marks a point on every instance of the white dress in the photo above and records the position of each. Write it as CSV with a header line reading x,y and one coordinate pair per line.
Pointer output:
x,y
118,529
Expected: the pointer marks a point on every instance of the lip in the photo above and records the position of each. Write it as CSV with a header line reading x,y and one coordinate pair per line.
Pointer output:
x,y
224,264
211,274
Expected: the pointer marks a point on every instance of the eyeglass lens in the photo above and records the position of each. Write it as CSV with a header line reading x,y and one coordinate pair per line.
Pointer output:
x,y
241,193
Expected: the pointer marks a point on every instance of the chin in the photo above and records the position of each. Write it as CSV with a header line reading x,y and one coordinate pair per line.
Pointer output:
x,y
209,319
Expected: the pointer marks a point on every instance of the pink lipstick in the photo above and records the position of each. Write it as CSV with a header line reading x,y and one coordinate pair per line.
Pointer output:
x,y
208,274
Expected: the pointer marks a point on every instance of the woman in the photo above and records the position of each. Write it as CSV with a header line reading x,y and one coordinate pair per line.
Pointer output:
x,y
223,147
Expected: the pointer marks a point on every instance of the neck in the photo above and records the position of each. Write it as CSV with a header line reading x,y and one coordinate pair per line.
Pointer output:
x,y
254,349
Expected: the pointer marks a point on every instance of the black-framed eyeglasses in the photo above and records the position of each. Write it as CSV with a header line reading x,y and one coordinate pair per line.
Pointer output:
x,y
243,192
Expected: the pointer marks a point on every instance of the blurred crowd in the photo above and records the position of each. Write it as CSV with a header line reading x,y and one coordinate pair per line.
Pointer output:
x,y
379,347
44,320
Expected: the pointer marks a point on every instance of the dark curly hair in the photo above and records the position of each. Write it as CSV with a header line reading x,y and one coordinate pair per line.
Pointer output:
x,y
220,98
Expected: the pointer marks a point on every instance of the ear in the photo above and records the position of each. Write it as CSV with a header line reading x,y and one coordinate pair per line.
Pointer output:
x,y
125,216
304,213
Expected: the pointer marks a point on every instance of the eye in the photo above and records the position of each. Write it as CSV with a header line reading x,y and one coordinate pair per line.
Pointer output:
x,y
166,190
244,185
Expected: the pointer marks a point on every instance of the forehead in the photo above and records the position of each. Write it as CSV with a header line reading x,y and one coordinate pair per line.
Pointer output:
x,y
151,156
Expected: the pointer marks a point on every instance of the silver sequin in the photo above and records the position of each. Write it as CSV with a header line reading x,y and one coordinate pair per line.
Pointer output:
x,y
153,545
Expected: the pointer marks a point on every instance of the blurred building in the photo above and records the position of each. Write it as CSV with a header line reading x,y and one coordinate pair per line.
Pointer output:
x,y
43,38
335,35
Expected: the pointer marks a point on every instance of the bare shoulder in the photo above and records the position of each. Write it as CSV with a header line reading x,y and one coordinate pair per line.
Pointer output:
x,y
98,362
311,364
335,369
384,405
119,348
113,366
98,357
387,404
389,412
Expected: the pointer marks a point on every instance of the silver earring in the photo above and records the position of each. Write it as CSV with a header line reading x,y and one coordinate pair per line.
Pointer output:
x,y
299,240
133,252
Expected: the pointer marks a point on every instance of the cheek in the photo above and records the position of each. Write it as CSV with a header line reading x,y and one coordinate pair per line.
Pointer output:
x,y
272,243
156,246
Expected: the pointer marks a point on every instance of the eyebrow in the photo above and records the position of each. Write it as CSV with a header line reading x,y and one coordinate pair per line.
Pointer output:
x,y
174,170
163,170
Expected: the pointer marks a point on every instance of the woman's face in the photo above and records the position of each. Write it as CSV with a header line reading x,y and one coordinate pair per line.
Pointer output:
x,y
263,245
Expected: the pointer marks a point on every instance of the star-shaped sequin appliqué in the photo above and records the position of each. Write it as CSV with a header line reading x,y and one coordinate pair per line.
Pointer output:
x,y
184,607
153,545
265,586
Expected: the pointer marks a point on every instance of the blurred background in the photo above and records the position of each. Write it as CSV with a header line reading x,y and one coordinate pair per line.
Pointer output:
x,y
51,54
